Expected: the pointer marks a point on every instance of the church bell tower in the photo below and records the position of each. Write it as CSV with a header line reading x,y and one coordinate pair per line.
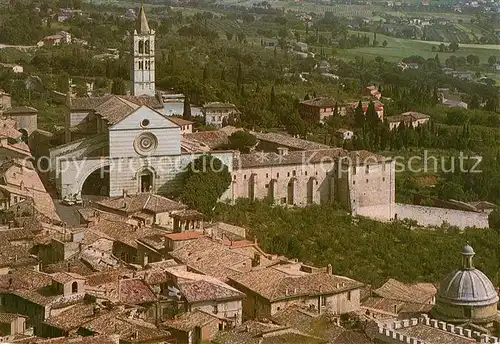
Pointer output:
x,y
143,52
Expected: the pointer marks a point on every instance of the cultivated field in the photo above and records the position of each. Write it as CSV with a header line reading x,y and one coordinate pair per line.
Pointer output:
x,y
398,48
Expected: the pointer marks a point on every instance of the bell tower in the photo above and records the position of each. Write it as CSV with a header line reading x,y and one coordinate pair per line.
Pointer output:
x,y
143,53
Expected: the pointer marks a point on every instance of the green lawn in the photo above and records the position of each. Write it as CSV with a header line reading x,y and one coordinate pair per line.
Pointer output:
x,y
399,48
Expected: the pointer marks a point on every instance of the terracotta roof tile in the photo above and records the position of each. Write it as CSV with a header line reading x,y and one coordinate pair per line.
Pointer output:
x,y
184,235
274,284
415,293
189,320
320,102
286,140
212,258
142,202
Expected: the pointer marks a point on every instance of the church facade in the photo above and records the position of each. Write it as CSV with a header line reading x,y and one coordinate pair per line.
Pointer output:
x,y
131,143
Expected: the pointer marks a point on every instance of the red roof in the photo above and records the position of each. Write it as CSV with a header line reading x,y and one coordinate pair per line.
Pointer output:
x,y
184,235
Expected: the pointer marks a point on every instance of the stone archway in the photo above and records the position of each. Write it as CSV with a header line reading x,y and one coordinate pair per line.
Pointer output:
x,y
25,135
146,177
272,189
292,190
74,173
312,190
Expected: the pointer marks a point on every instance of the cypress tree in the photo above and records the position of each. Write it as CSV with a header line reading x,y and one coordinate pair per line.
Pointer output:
x,y
239,76
187,109
205,73
273,98
359,116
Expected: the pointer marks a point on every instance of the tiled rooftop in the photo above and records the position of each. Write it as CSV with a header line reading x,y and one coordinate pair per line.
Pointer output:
x,y
252,332
199,288
323,156
211,258
415,293
65,277
143,202
275,284
410,116
73,317
184,235
319,102
286,140
189,320
24,279
433,335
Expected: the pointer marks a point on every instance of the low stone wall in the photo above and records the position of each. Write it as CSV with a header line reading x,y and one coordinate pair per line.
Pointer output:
x,y
433,216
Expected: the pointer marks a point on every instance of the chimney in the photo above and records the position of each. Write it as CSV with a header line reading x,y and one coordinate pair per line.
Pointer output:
x,y
329,269
68,267
136,334
286,292
283,151
124,193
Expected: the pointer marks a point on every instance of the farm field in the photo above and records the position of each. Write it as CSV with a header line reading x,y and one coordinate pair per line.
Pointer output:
x,y
398,48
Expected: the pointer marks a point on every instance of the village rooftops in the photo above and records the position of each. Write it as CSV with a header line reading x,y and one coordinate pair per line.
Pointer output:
x,y
73,317
200,288
190,320
219,105
116,322
286,140
180,121
211,257
92,103
15,256
320,325
212,138
142,202
407,116
24,279
122,232
66,277
100,339
253,332
132,291
320,102
188,235
275,284
21,174
189,214
8,130
415,293
429,331
17,110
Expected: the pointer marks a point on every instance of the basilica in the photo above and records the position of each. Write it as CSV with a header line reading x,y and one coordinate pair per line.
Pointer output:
x,y
127,144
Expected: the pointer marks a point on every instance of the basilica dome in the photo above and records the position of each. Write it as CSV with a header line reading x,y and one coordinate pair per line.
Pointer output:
x,y
467,287
466,293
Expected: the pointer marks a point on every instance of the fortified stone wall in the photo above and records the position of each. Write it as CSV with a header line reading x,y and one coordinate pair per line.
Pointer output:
x,y
433,216
391,334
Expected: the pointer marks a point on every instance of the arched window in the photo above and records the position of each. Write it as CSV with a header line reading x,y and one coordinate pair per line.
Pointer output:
x,y
141,47
147,45
74,287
